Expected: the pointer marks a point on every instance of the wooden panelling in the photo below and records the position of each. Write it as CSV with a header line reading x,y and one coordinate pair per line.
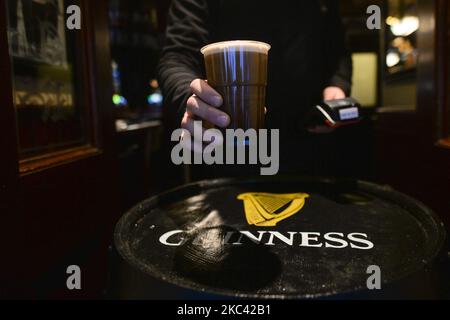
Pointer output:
x,y
413,153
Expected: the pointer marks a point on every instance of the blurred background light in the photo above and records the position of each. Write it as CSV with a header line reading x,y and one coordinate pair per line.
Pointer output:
x,y
403,27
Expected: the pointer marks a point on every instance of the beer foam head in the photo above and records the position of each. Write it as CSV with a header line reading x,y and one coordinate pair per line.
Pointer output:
x,y
240,45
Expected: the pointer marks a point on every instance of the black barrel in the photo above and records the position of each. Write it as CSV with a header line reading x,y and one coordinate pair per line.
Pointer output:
x,y
278,238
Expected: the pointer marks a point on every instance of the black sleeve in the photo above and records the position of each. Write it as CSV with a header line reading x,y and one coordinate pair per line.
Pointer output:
x,y
339,57
181,60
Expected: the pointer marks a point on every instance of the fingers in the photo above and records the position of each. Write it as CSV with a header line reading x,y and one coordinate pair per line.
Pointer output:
x,y
206,93
333,93
196,106
204,103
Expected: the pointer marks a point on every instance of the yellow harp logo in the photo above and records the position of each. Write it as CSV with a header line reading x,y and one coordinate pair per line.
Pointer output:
x,y
267,209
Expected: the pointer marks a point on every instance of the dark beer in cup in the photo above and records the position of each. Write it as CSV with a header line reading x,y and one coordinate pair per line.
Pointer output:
x,y
237,70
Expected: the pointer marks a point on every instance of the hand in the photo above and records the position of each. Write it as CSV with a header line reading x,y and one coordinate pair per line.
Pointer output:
x,y
333,93
203,105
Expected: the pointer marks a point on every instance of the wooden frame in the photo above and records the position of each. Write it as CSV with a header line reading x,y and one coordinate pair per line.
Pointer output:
x,y
427,70
64,204
444,77
89,102
413,148
9,165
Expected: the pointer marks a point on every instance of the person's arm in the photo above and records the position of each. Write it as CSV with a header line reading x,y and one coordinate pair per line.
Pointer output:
x,y
339,58
181,60
187,97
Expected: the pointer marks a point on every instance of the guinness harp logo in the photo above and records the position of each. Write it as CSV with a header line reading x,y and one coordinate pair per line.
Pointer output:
x,y
267,209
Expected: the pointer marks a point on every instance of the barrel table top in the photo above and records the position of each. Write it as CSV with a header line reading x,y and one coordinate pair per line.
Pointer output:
x,y
280,237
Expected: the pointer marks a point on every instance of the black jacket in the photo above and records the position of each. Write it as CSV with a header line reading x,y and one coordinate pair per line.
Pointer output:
x,y
308,50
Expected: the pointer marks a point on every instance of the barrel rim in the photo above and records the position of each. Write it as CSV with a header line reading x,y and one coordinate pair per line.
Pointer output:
x,y
432,249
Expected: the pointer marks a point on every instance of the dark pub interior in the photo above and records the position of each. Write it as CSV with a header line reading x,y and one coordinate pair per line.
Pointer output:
x,y
354,97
